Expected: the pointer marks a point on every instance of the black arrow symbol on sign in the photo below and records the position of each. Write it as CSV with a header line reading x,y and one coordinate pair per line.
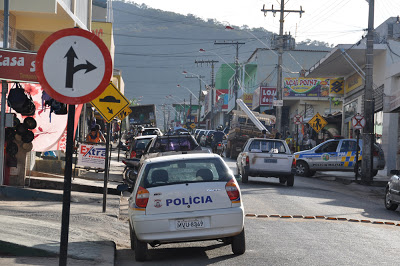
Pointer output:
x,y
110,110
72,69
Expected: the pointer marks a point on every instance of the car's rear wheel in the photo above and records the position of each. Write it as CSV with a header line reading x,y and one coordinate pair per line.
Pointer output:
x,y
239,243
302,169
245,176
374,172
282,180
388,203
290,181
140,247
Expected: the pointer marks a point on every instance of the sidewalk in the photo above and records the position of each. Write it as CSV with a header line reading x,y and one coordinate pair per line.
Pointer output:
x,y
380,180
33,240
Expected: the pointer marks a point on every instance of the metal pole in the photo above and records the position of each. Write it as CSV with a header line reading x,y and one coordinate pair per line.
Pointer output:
x,y
67,186
119,140
4,90
357,150
368,130
297,137
106,168
198,106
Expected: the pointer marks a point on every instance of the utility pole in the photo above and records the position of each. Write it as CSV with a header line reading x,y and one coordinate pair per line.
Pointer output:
x,y
198,106
278,123
236,86
212,62
4,90
368,130
190,109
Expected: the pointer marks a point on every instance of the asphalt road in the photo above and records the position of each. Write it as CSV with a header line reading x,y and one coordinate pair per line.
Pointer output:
x,y
322,240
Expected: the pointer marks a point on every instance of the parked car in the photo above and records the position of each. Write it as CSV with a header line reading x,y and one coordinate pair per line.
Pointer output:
x,y
184,198
267,158
138,146
392,195
152,131
203,138
336,155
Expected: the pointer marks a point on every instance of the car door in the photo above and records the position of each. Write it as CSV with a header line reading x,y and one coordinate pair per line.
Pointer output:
x,y
347,154
325,157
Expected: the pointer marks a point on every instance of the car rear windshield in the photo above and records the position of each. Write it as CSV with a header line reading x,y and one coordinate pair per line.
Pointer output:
x,y
184,171
273,146
140,144
175,144
148,132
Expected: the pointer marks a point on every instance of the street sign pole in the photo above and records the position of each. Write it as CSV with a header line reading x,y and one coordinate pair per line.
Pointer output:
x,y
67,186
106,168
297,137
357,131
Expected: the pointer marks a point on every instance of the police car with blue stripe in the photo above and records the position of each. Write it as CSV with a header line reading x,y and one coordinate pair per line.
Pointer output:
x,y
185,197
336,155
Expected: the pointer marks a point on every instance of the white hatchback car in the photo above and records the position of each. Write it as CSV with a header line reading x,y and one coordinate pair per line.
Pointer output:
x,y
182,198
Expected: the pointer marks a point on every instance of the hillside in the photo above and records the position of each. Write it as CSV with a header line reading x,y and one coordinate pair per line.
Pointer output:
x,y
153,47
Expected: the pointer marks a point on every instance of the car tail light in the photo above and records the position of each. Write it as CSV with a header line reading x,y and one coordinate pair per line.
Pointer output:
x,y
247,160
133,154
294,163
219,144
124,162
142,197
232,190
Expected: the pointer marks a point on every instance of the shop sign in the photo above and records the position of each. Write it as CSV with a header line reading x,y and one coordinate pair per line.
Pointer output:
x,y
17,66
92,156
248,100
353,82
267,95
306,87
336,87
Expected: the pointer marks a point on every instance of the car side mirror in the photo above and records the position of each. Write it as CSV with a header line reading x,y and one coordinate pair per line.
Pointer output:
x,y
394,172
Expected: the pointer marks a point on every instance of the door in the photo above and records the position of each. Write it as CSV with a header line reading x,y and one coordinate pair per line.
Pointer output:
x,y
347,154
325,157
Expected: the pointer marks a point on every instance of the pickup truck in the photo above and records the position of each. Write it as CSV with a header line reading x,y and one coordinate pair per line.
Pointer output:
x,y
267,158
336,155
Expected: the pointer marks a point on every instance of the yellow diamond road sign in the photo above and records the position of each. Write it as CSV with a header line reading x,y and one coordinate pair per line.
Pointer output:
x,y
110,103
317,122
192,125
124,113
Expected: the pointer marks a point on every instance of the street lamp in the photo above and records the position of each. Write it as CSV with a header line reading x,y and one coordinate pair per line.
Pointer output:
x,y
199,77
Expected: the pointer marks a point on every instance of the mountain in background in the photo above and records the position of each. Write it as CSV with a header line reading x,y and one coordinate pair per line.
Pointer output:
x,y
153,47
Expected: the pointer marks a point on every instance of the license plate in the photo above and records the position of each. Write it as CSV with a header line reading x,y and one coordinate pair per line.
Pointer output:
x,y
270,160
219,147
188,224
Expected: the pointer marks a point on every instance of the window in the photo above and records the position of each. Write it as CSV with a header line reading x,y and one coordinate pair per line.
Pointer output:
x,y
328,147
349,145
184,171
268,146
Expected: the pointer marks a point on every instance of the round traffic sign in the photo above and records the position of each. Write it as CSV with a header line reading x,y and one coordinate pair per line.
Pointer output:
x,y
73,66
358,121
298,119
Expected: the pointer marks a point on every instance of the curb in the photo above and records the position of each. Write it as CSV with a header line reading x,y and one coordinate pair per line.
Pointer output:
x,y
59,185
12,249
28,194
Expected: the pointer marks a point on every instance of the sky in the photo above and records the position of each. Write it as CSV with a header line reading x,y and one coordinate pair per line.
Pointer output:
x,y
331,21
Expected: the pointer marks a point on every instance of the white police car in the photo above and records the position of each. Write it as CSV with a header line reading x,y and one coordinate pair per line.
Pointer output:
x,y
186,197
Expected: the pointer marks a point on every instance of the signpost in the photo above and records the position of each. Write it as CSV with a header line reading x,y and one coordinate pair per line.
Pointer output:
x,y
317,122
110,103
60,62
297,120
358,122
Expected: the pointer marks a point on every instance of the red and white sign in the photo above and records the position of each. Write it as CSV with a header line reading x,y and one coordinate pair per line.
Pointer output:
x,y
91,156
298,119
17,66
358,121
73,66
267,95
